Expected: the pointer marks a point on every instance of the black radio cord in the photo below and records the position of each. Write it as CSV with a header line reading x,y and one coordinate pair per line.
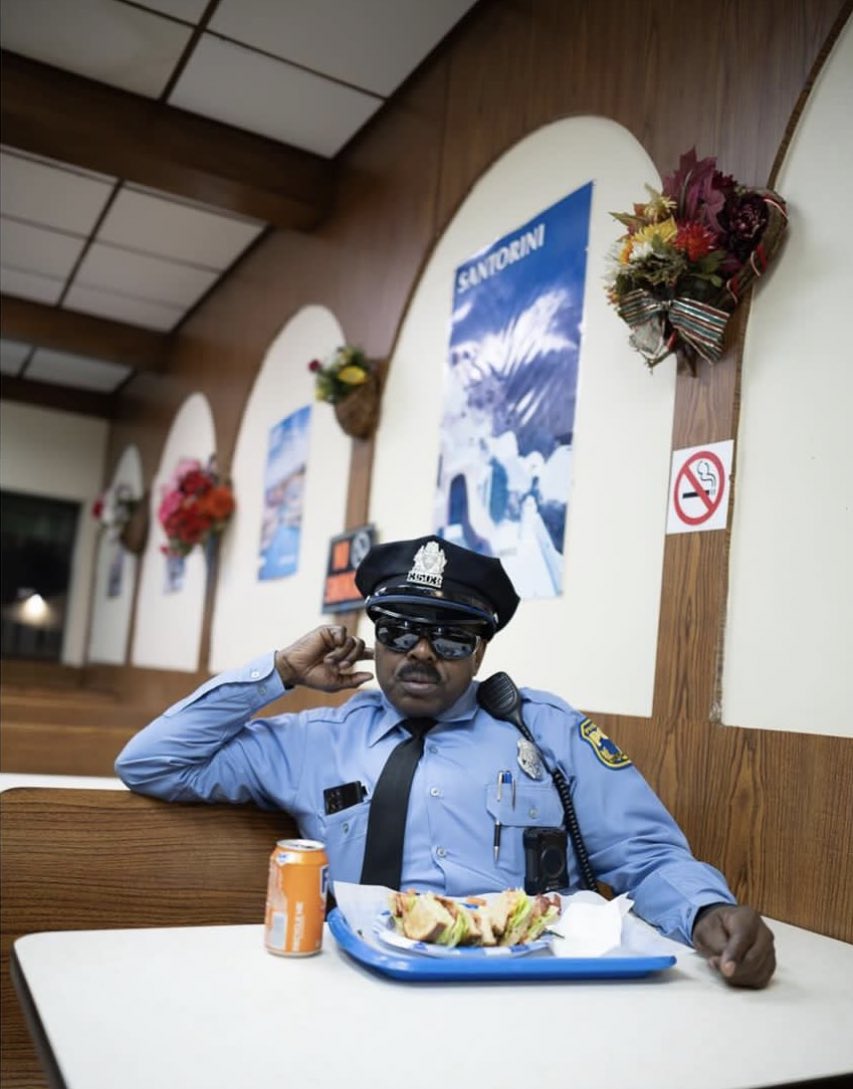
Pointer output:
x,y
500,697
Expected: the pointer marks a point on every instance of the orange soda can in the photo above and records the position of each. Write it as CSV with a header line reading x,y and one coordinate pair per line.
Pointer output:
x,y
296,898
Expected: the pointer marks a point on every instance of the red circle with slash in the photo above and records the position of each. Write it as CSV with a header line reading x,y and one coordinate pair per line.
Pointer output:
x,y
686,476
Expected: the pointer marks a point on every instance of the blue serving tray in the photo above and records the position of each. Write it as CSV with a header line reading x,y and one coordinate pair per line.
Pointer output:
x,y
416,968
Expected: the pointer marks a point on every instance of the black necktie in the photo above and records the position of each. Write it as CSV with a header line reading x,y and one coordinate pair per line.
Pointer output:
x,y
386,825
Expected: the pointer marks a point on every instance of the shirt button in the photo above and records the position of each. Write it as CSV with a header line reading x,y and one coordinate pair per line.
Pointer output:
x,y
345,827
435,792
533,812
441,851
255,674
433,748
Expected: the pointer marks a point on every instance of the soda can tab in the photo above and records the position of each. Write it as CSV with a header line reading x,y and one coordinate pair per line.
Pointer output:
x,y
296,898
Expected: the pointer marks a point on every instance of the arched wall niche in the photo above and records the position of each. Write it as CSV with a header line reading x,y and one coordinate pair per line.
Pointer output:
x,y
596,643
790,604
168,627
251,615
115,575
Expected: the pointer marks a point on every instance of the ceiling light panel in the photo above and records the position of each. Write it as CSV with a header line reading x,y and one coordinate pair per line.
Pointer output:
x,y
109,304
49,196
168,228
12,355
373,44
144,277
26,285
64,369
37,249
271,98
104,40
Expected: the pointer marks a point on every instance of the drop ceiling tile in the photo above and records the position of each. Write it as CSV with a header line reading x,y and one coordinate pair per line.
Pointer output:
x,y
267,96
26,285
12,355
169,228
64,369
37,249
150,278
109,304
49,196
372,44
115,43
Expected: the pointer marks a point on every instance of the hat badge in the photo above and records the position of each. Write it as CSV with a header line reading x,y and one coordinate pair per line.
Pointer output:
x,y
428,566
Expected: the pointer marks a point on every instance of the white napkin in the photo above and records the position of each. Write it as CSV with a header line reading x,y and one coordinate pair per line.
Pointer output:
x,y
589,926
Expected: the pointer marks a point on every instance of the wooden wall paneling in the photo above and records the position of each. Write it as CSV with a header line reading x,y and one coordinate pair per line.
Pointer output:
x,y
727,82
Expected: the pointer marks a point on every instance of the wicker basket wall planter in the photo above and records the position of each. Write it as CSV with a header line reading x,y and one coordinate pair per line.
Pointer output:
x,y
134,533
358,412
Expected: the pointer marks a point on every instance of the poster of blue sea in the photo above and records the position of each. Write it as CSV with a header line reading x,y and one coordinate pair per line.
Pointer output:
x,y
505,462
284,489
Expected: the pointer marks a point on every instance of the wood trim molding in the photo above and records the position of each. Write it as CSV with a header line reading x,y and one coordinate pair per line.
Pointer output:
x,y
83,334
47,395
47,111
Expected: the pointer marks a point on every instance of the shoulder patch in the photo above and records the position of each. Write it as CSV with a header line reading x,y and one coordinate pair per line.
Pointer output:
x,y
607,751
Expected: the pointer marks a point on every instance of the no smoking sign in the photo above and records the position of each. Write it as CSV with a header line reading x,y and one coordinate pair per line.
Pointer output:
x,y
699,487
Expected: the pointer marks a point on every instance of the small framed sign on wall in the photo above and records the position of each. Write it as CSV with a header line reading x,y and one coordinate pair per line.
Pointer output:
x,y
346,551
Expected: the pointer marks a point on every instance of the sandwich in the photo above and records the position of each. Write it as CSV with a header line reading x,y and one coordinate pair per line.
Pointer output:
x,y
510,918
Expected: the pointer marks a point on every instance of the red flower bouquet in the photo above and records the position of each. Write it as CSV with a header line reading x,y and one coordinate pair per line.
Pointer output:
x,y
194,506
689,255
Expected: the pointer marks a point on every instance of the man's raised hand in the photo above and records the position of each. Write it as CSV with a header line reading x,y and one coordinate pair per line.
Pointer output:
x,y
324,659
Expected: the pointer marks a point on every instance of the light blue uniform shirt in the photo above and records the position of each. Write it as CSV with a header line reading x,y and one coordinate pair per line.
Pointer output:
x,y
209,748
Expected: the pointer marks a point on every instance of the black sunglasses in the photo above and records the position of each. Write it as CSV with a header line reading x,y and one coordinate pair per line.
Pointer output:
x,y
449,643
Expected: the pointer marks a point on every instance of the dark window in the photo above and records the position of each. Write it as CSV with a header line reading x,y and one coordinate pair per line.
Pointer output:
x,y
37,539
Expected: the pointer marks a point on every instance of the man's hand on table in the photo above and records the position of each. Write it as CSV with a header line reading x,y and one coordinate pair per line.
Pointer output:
x,y
737,942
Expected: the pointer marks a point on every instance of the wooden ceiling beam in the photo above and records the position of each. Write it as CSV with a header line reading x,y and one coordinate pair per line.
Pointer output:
x,y
47,111
48,395
83,334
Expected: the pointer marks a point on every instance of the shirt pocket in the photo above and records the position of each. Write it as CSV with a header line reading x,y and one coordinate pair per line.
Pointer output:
x,y
537,805
344,834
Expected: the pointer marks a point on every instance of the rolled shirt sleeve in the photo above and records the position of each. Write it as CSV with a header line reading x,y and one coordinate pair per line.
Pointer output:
x,y
208,747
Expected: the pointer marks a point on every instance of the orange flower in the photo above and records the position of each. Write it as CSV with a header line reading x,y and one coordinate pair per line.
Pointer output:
x,y
217,504
695,239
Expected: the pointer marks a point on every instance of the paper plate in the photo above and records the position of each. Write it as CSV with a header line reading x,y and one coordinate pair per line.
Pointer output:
x,y
388,934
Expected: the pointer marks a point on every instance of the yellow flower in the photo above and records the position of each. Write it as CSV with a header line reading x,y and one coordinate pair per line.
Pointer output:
x,y
352,375
625,251
663,232
658,208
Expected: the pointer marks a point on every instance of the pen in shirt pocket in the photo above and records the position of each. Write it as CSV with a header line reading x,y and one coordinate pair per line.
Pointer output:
x,y
504,779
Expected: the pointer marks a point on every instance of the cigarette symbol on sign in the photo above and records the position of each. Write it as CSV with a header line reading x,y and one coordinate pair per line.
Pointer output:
x,y
707,482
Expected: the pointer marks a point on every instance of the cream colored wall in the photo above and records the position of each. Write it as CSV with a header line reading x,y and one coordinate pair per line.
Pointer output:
x,y
60,455
110,625
789,636
168,628
252,616
595,644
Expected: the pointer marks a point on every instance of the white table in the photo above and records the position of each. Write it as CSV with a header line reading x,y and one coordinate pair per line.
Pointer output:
x,y
209,1008
11,779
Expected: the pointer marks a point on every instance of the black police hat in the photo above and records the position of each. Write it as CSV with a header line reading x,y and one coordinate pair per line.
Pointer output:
x,y
438,582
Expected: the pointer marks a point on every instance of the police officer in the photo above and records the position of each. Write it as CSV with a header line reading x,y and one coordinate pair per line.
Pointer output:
x,y
470,784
